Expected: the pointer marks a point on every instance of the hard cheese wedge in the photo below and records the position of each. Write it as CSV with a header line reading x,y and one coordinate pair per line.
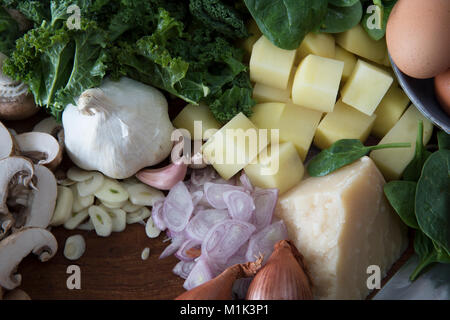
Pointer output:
x,y
234,146
342,224
271,65
190,114
366,87
316,83
392,162
344,122
277,167
390,110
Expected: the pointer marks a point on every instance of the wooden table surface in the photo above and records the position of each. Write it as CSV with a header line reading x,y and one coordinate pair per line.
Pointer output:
x,y
111,268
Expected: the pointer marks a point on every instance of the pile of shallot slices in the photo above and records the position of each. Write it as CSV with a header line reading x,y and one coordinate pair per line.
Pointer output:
x,y
214,224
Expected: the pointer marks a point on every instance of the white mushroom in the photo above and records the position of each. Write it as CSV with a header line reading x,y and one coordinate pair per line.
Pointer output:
x,y
13,171
17,294
40,147
17,246
7,147
16,102
52,127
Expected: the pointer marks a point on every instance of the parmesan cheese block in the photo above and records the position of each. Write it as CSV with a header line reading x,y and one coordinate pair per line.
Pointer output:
x,y
342,224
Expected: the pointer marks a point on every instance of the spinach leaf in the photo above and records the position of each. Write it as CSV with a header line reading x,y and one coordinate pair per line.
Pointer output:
x,y
424,248
378,33
401,196
443,140
413,170
342,153
340,19
286,22
343,3
432,203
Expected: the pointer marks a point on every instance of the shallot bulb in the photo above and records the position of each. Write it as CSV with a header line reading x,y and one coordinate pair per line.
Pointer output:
x,y
220,288
284,277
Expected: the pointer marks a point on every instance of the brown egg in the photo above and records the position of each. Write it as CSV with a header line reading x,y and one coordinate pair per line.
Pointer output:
x,y
418,37
442,88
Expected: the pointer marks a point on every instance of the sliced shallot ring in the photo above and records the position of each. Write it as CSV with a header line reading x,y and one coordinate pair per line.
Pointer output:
x,y
183,268
199,274
214,193
246,183
240,204
199,226
183,252
178,208
265,203
157,218
264,241
172,247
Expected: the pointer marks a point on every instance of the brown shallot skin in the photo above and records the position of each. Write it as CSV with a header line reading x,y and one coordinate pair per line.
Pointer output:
x,y
284,277
220,288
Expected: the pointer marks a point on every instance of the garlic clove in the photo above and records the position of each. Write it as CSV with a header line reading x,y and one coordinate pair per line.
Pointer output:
x,y
138,216
128,207
75,247
151,230
78,175
76,219
90,186
101,220
63,208
118,218
112,192
79,202
164,178
87,226
143,195
113,205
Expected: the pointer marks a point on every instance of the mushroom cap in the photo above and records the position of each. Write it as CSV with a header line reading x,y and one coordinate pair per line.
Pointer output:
x,y
7,147
41,147
51,126
16,102
17,294
17,246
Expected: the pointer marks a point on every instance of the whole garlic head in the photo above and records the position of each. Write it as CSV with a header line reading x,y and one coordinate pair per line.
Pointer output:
x,y
118,128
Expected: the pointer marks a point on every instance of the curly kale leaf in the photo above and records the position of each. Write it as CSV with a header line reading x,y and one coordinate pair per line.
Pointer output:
x,y
220,17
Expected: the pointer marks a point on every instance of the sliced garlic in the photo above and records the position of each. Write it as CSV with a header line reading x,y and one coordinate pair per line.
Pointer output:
x,y
87,226
63,208
143,195
90,186
75,247
101,220
151,230
130,181
137,216
78,175
66,182
145,254
113,205
76,219
112,192
129,207
79,202
118,218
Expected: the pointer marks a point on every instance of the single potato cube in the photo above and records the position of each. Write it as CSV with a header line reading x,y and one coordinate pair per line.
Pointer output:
x,y
366,87
201,113
344,122
349,60
255,34
267,115
316,83
392,162
234,146
279,166
271,65
319,44
357,41
343,224
389,110
263,93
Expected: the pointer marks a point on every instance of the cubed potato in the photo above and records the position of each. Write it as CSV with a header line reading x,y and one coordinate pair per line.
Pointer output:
x,y
319,44
279,166
234,146
201,113
389,110
263,93
366,87
349,60
392,162
271,65
316,83
357,41
344,122
255,34
267,115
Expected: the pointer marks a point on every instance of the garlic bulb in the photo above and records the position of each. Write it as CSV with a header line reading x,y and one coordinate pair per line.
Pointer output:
x,y
118,128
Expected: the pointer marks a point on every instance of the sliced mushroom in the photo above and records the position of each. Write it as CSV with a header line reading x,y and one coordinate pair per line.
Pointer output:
x,y
17,294
7,147
17,246
40,147
12,170
16,102
52,127
24,23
